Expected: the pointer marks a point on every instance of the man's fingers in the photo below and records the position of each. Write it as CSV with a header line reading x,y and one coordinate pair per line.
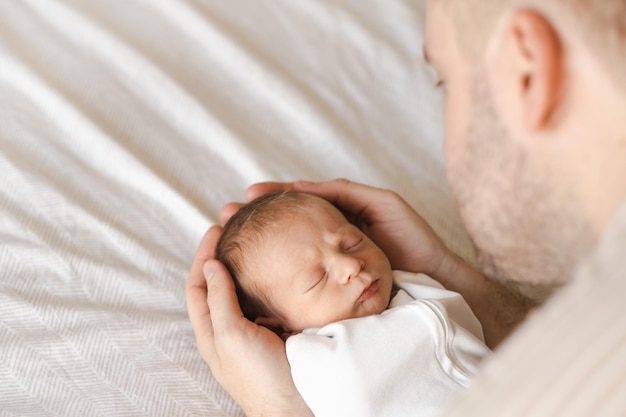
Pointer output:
x,y
222,298
205,251
349,196
196,292
228,210
200,316
262,188
206,248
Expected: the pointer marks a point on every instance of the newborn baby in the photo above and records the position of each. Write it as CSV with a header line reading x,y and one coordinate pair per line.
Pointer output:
x,y
363,333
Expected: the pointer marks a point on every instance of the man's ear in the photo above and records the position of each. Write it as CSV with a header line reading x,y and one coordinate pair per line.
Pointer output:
x,y
528,67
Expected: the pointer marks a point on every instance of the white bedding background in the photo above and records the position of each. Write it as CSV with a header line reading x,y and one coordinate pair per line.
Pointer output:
x,y
126,125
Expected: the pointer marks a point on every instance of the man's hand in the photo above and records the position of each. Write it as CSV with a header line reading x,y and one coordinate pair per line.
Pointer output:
x,y
411,245
249,361
407,240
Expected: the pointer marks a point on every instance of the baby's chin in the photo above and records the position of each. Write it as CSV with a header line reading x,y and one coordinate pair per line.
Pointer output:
x,y
378,302
370,310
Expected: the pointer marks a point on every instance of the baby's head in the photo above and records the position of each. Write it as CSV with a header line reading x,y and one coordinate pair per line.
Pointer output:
x,y
298,263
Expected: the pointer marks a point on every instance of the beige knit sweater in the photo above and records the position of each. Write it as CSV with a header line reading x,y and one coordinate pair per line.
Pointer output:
x,y
569,358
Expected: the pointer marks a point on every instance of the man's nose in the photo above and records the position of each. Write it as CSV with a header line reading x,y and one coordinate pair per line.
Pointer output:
x,y
347,267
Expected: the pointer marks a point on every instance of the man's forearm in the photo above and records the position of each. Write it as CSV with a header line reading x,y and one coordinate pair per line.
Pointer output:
x,y
499,309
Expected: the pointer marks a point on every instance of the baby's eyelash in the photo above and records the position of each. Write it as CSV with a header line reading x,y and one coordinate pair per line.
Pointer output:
x,y
321,278
354,244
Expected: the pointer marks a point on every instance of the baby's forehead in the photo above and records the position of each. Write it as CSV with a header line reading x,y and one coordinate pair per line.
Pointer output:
x,y
286,247
311,214
318,205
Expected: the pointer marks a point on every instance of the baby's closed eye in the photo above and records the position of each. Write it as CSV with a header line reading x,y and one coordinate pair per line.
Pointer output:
x,y
352,244
315,281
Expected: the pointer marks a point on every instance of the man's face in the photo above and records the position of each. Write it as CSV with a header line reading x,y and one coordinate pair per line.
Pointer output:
x,y
517,218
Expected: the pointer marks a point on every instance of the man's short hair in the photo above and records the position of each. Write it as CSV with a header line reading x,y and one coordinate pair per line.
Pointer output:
x,y
599,24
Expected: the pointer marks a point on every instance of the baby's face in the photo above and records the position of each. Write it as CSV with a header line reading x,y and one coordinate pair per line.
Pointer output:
x,y
318,268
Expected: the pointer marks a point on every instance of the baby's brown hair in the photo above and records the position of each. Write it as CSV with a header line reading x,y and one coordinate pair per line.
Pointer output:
x,y
242,233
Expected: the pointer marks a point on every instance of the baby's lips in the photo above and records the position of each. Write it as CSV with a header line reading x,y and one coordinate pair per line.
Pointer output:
x,y
369,291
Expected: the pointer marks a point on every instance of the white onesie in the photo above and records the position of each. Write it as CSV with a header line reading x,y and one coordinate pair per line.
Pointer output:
x,y
409,360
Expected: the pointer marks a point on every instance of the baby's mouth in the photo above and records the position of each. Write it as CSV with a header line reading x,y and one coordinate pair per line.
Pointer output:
x,y
369,291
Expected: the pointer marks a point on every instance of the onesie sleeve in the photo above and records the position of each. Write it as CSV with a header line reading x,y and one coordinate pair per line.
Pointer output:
x,y
421,287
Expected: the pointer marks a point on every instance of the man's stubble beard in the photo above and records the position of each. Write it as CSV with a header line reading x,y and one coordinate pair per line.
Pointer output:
x,y
528,233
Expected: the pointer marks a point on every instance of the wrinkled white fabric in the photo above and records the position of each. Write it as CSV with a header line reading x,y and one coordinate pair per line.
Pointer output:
x,y
124,128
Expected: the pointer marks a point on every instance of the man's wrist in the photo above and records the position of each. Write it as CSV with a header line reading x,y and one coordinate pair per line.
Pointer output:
x,y
447,268
283,412
286,413
289,406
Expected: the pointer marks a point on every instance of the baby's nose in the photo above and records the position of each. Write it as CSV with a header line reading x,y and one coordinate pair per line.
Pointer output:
x,y
349,267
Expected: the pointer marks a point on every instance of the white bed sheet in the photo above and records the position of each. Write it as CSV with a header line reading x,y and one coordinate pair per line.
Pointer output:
x,y
125,126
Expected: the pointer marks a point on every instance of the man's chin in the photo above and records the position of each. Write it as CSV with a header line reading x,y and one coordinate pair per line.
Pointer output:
x,y
536,292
